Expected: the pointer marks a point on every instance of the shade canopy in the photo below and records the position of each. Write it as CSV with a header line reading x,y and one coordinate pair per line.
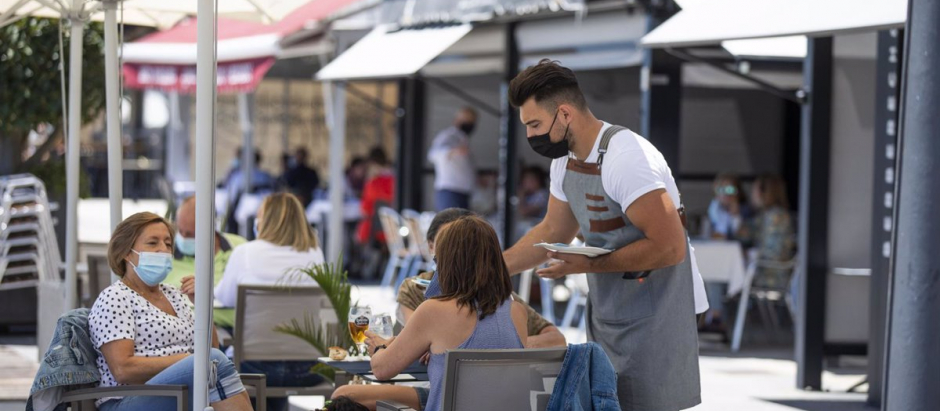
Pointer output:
x,y
387,52
717,21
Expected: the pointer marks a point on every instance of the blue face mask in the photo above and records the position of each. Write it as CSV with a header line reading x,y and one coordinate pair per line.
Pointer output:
x,y
256,228
187,246
152,268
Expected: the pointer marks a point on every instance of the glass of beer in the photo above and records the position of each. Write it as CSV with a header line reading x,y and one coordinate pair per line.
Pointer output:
x,y
359,319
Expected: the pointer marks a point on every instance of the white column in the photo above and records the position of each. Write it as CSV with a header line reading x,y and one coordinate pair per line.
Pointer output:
x,y
72,159
113,114
205,196
336,101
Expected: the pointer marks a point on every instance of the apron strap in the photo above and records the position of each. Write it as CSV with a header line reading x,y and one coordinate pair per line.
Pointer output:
x,y
602,149
605,141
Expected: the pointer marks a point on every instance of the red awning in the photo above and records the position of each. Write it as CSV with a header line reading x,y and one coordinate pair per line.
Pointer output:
x,y
232,77
246,50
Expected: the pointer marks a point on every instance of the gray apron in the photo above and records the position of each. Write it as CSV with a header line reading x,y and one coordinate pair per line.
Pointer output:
x,y
644,321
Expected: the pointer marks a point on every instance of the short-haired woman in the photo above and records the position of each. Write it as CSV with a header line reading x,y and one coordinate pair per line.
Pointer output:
x,y
474,310
771,231
284,243
144,330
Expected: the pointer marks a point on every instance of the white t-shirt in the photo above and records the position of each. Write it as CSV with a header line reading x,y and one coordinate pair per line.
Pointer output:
x,y
452,172
632,167
120,313
259,262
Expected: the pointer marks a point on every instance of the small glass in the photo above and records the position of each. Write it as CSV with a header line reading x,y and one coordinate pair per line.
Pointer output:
x,y
383,325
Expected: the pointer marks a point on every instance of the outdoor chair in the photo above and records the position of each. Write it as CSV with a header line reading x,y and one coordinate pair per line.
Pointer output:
x,y
418,248
83,399
496,380
259,309
579,293
398,256
765,299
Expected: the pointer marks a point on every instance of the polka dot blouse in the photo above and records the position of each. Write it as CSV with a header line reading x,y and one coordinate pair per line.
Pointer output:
x,y
120,313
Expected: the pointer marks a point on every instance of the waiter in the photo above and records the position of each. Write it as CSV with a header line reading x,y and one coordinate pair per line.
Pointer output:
x,y
616,188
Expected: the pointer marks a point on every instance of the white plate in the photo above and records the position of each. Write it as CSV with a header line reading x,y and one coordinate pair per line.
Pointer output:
x,y
567,249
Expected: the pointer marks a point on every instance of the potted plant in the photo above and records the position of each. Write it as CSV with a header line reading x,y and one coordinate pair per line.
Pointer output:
x,y
335,284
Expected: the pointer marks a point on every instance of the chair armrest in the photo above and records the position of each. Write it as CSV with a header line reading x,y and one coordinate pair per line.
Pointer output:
x,y
181,392
260,384
388,405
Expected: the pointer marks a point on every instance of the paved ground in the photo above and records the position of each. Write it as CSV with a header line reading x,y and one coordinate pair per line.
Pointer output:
x,y
760,378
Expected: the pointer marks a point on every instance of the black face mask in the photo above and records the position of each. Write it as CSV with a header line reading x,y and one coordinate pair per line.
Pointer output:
x,y
467,128
543,144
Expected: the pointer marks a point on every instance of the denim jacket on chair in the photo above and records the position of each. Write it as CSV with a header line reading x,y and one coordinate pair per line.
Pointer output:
x,y
70,362
587,381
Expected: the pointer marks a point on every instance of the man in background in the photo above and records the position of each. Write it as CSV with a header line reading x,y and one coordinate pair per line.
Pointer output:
x,y
455,174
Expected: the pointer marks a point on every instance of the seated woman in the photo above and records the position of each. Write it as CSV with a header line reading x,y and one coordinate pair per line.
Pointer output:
x,y
770,232
285,242
143,330
474,310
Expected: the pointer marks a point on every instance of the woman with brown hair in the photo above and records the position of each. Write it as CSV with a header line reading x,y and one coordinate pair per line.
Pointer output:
x,y
143,330
474,310
771,231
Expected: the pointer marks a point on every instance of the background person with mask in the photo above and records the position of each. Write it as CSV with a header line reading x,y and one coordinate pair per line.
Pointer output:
x,y
184,252
454,172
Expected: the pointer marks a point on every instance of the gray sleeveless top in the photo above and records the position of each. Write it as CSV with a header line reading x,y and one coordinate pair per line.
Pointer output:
x,y
494,332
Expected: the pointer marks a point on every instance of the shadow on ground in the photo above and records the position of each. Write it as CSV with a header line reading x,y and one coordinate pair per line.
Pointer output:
x,y
823,405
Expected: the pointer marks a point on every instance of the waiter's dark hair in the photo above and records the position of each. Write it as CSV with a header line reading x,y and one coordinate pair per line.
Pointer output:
x,y
549,83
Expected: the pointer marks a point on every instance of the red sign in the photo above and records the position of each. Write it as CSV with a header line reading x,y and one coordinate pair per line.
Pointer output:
x,y
231,77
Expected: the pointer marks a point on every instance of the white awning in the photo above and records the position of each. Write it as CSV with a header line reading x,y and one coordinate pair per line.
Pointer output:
x,y
386,54
720,20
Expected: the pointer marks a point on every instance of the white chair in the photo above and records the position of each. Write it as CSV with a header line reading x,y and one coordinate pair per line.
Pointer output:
x,y
765,299
398,255
496,380
418,248
578,285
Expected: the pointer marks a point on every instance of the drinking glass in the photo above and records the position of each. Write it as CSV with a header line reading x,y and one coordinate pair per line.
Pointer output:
x,y
359,319
383,325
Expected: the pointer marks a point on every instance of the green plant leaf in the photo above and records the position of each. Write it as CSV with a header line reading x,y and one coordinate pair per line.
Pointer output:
x,y
335,284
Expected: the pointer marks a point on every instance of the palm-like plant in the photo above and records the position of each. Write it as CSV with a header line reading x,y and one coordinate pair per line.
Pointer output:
x,y
335,284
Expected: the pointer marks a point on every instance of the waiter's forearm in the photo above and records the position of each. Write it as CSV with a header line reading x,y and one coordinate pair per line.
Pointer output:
x,y
524,256
641,255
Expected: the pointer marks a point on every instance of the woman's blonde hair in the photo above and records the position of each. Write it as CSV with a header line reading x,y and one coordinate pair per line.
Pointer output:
x,y
125,235
283,222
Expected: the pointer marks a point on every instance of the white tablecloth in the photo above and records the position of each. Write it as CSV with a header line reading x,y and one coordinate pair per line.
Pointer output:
x,y
721,262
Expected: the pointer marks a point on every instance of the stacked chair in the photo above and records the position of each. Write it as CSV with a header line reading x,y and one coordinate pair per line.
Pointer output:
x,y
29,253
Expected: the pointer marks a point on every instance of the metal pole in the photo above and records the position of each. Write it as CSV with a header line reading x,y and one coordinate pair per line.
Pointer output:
x,y
508,154
914,293
285,117
205,195
813,230
337,124
883,183
248,150
73,157
113,97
